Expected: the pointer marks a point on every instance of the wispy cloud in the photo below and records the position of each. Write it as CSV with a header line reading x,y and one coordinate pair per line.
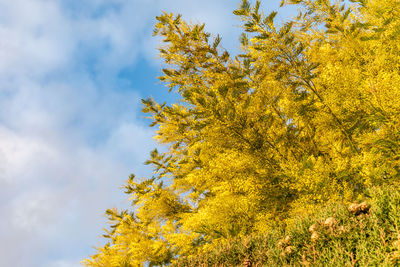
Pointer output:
x,y
70,129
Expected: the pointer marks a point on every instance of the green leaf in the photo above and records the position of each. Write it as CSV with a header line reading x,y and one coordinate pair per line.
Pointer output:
x,y
217,41
243,39
271,16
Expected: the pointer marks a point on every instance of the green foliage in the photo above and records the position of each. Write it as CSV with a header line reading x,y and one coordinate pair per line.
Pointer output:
x,y
306,115
344,239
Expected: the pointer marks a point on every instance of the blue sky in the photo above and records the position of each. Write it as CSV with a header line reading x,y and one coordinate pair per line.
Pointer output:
x,y
72,73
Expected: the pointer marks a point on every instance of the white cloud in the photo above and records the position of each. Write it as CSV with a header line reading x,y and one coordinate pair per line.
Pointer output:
x,y
34,37
34,210
68,138
62,263
17,151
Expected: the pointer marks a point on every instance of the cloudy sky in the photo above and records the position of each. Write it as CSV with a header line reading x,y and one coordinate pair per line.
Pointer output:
x,y
72,73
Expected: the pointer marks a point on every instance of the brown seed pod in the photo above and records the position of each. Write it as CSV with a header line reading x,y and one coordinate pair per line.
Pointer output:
x,y
287,239
281,244
353,207
247,263
313,228
314,236
357,209
284,242
330,222
364,207
289,250
396,244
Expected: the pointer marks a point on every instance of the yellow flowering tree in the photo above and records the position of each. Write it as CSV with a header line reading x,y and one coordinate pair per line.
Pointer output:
x,y
307,113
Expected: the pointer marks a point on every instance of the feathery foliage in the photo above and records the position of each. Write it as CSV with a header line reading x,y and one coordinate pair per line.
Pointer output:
x,y
307,114
336,236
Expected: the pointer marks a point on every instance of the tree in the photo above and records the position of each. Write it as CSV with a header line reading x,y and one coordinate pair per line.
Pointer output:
x,y
307,114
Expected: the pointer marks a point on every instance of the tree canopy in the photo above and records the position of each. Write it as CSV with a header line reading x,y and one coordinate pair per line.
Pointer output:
x,y
307,114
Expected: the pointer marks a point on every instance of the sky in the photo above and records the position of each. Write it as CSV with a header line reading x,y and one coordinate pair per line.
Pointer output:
x,y
72,74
